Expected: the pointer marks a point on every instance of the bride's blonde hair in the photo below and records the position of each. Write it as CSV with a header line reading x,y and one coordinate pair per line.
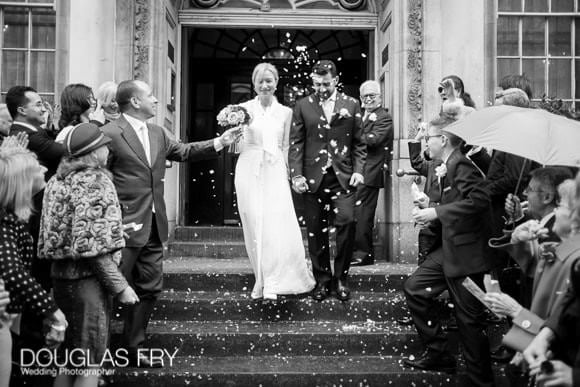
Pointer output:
x,y
17,166
261,68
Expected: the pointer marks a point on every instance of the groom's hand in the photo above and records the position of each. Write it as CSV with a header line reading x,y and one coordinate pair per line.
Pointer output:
x,y
356,179
299,184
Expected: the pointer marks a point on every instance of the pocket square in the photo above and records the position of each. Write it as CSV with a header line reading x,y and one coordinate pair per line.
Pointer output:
x,y
447,189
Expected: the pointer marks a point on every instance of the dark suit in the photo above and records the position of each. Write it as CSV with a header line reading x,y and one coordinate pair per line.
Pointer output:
x,y
378,136
312,139
430,236
140,189
464,215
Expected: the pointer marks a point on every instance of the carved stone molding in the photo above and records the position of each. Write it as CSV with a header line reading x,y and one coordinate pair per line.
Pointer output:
x,y
142,39
415,64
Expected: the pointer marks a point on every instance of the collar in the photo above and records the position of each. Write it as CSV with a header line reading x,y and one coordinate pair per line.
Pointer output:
x,y
568,247
26,125
447,158
135,123
332,97
269,108
547,218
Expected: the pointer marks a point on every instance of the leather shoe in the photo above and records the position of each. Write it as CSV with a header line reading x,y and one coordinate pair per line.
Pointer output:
x,y
366,261
433,361
320,292
142,361
342,291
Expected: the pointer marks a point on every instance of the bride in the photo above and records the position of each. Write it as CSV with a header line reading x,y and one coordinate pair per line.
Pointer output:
x,y
271,232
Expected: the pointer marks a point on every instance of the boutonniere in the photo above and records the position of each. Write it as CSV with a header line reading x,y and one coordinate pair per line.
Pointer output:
x,y
343,113
373,117
441,171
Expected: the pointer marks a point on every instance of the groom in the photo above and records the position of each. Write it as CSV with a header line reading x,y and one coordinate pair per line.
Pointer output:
x,y
326,159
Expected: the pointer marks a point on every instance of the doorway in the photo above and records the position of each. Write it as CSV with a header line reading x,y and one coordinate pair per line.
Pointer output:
x,y
218,64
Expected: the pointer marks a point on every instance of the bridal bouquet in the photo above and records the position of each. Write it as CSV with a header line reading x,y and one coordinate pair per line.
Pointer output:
x,y
232,116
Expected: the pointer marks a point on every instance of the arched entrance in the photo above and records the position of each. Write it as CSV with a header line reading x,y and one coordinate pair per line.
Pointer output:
x,y
216,70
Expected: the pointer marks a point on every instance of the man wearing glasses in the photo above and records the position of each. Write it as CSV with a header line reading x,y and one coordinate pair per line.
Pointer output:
x,y
377,128
326,160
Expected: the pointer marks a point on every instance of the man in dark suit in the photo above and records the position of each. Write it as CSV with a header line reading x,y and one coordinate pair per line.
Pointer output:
x,y
137,161
326,160
464,215
377,130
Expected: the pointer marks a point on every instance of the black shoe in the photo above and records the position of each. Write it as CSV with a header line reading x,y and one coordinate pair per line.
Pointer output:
x,y
433,361
342,291
406,320
142,361
320,292
366,261
502,354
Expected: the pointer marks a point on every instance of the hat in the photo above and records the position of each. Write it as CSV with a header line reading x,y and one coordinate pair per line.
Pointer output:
x,y
83,139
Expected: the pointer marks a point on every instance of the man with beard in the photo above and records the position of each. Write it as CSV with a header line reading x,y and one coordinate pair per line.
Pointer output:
x,y
326,159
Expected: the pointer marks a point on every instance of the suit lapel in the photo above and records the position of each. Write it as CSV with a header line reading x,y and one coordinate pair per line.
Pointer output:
x,y
317,107
339,104
132,140
153,144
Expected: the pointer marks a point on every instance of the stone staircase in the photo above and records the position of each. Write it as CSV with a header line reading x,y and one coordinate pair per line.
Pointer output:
x,y
224,338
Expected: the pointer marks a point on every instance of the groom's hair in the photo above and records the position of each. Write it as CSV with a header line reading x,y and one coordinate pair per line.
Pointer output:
x,y
323,67
440,123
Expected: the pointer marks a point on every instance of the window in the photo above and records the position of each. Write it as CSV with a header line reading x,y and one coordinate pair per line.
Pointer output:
x,y
27,46
541,39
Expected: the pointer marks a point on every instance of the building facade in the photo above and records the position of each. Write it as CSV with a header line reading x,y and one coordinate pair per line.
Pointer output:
x,y
198,56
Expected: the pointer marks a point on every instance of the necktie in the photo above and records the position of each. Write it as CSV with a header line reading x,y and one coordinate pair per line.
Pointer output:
x,y
144,137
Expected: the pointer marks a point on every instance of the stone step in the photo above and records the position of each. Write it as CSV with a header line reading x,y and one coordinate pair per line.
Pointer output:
x,y
295,371
238,306
213,233
211,274
255,338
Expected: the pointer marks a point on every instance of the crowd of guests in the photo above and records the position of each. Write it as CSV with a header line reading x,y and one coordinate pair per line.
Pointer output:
x,y
83,222
73,234
474,223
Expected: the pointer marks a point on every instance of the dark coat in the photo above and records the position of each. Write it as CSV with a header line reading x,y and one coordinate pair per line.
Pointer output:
x,y
378,136
48,151
140,185
464,214
312,138
425,168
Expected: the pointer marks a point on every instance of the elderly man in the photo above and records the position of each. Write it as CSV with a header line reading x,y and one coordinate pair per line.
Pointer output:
x,y
463,213
377,134
138,151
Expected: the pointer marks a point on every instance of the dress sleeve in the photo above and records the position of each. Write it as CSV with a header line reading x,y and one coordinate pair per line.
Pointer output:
x,y
23,288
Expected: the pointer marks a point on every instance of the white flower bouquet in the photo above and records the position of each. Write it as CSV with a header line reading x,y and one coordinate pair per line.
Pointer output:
x,y
232,116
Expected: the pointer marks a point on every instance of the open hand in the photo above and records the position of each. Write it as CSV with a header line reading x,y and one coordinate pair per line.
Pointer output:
x,y
425,215
128,296
538,350
503,304
560,376
231,135
528,231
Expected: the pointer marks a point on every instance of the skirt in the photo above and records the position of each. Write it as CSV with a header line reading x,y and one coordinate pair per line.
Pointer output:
x,y
87,308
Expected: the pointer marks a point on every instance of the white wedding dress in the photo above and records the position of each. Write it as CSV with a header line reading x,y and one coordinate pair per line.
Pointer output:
x,y
271,231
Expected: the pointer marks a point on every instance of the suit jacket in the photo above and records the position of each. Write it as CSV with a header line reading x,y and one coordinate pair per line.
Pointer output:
x,y
140,185
46,149
378,136
464,214
313,138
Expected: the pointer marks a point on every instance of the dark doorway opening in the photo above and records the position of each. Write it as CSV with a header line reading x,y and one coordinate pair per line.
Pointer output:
x,y
218,64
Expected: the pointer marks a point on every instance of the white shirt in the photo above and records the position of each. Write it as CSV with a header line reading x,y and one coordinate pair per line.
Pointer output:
x,y
328,106
140,128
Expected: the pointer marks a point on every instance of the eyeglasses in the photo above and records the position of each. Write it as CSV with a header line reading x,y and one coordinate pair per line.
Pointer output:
x,y
369,96
529,189
427,137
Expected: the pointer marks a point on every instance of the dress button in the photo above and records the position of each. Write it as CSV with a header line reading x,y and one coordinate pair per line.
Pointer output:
x,y
526,324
